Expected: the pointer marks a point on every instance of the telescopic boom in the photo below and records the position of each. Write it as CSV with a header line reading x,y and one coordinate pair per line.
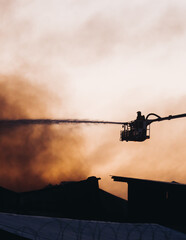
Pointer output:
x,y
158,119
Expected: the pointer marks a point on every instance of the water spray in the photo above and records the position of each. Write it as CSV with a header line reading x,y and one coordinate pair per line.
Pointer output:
x,y
136,131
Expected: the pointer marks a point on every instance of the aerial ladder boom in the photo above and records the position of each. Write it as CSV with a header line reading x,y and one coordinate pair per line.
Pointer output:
x,y
164,118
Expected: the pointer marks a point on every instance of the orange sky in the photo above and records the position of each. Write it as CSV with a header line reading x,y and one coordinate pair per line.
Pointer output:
x,y
105,60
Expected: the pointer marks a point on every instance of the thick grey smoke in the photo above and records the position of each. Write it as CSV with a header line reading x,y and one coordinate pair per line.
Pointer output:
x,y
33,156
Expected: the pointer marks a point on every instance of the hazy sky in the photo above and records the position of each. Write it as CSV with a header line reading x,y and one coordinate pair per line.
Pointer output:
x,y
106,60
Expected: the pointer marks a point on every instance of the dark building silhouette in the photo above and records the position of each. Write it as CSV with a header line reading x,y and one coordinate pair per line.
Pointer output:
x,y
8,200
156,201
79,200
148,201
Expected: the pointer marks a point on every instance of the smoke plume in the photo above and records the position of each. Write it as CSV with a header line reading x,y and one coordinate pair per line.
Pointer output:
x,y
33,156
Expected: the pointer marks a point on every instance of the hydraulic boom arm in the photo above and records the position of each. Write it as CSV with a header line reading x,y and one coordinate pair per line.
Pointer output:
x,y
158,119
